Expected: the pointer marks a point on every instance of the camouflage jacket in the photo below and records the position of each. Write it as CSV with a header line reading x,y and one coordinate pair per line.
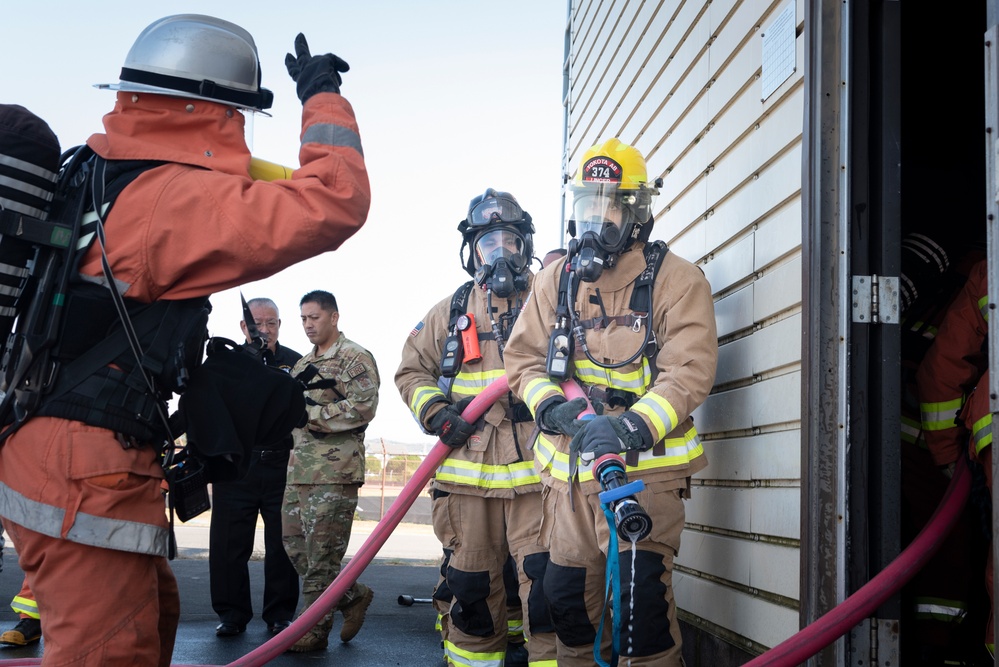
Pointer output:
x,y
330,448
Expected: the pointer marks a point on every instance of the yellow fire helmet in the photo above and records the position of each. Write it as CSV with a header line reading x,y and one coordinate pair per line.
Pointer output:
x,y
612,196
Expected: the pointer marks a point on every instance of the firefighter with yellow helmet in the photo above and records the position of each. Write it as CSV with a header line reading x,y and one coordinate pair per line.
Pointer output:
x,y
487,494
634,326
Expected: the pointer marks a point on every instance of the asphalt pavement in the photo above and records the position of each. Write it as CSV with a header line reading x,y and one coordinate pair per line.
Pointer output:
x,y
392,634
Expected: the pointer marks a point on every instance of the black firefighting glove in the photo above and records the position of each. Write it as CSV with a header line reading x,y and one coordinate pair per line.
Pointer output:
x,y
608,435
562,416
450,426
314,74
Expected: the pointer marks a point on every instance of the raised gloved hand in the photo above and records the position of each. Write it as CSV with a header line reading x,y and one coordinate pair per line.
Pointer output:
x,y
607,435
562,417
314,74
450,426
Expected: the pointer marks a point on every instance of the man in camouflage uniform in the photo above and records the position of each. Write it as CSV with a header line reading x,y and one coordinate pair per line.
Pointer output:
x,y
326,467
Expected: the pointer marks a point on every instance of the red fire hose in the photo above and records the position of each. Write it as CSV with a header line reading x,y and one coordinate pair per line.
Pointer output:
x,y
838,620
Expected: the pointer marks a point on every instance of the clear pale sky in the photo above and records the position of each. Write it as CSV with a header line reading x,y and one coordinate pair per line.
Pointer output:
x,y
452,97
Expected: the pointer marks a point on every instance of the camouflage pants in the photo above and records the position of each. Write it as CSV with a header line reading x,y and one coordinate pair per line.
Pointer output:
x,y
316,521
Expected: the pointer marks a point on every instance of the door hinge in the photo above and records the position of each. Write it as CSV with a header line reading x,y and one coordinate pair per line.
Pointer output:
x,y
875,300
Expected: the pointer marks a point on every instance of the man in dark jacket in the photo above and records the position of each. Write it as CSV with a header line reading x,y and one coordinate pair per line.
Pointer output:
x,y
236,505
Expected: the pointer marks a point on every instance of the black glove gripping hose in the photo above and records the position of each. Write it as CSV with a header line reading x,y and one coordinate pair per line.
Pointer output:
x,y
838,621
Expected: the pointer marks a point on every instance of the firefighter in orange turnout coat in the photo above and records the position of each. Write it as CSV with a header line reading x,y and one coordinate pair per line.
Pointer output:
x,y
81,497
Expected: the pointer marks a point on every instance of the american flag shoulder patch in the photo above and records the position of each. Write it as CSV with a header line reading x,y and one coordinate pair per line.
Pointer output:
x,y
416,329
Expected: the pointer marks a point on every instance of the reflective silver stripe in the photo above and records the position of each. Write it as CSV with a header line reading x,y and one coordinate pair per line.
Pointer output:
x,y
96,531
473,384
662,415
943,610
940,415
981,432
332,135
10,291
910,430
465,658
18,207
26,188
536,390
27,167
458,471
635,381
25,606
678,451
11,270
420,398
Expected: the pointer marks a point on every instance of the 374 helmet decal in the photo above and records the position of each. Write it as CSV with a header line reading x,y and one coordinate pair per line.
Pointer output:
x,y
602,169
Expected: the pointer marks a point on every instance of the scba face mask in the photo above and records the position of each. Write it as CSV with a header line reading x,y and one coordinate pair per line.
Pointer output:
x,y
588,258
605,227
501,261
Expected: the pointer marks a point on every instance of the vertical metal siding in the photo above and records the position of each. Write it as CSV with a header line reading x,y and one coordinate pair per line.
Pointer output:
x,y
681,82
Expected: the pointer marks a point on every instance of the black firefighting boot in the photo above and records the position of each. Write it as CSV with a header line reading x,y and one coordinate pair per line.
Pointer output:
x,y
27,631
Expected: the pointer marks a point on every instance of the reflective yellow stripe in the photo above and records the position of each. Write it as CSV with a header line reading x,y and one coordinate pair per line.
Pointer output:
x,y
636,381
658,411
472,384
910,432
484,476
982,433
679,451
940,609
421,396
983,305
543,663
460,656
514,628
25,606
940,416
537,390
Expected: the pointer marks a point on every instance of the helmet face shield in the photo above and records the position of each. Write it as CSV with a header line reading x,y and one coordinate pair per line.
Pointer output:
x,y
608,214
500,243
495,211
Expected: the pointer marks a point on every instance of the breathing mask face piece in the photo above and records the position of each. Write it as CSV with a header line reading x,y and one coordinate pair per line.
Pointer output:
x,y
500,261
587,257
604,225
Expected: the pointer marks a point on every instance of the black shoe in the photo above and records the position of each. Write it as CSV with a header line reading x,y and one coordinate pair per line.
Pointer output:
x,y
277,627
27,631
225,629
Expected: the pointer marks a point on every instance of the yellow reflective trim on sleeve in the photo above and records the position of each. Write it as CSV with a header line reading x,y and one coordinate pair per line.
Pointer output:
x,y
983,305
537,390
940,416
911,430
659,412
982,433
421,396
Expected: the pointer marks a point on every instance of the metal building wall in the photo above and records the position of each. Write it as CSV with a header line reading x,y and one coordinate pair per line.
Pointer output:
x,y
681,81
